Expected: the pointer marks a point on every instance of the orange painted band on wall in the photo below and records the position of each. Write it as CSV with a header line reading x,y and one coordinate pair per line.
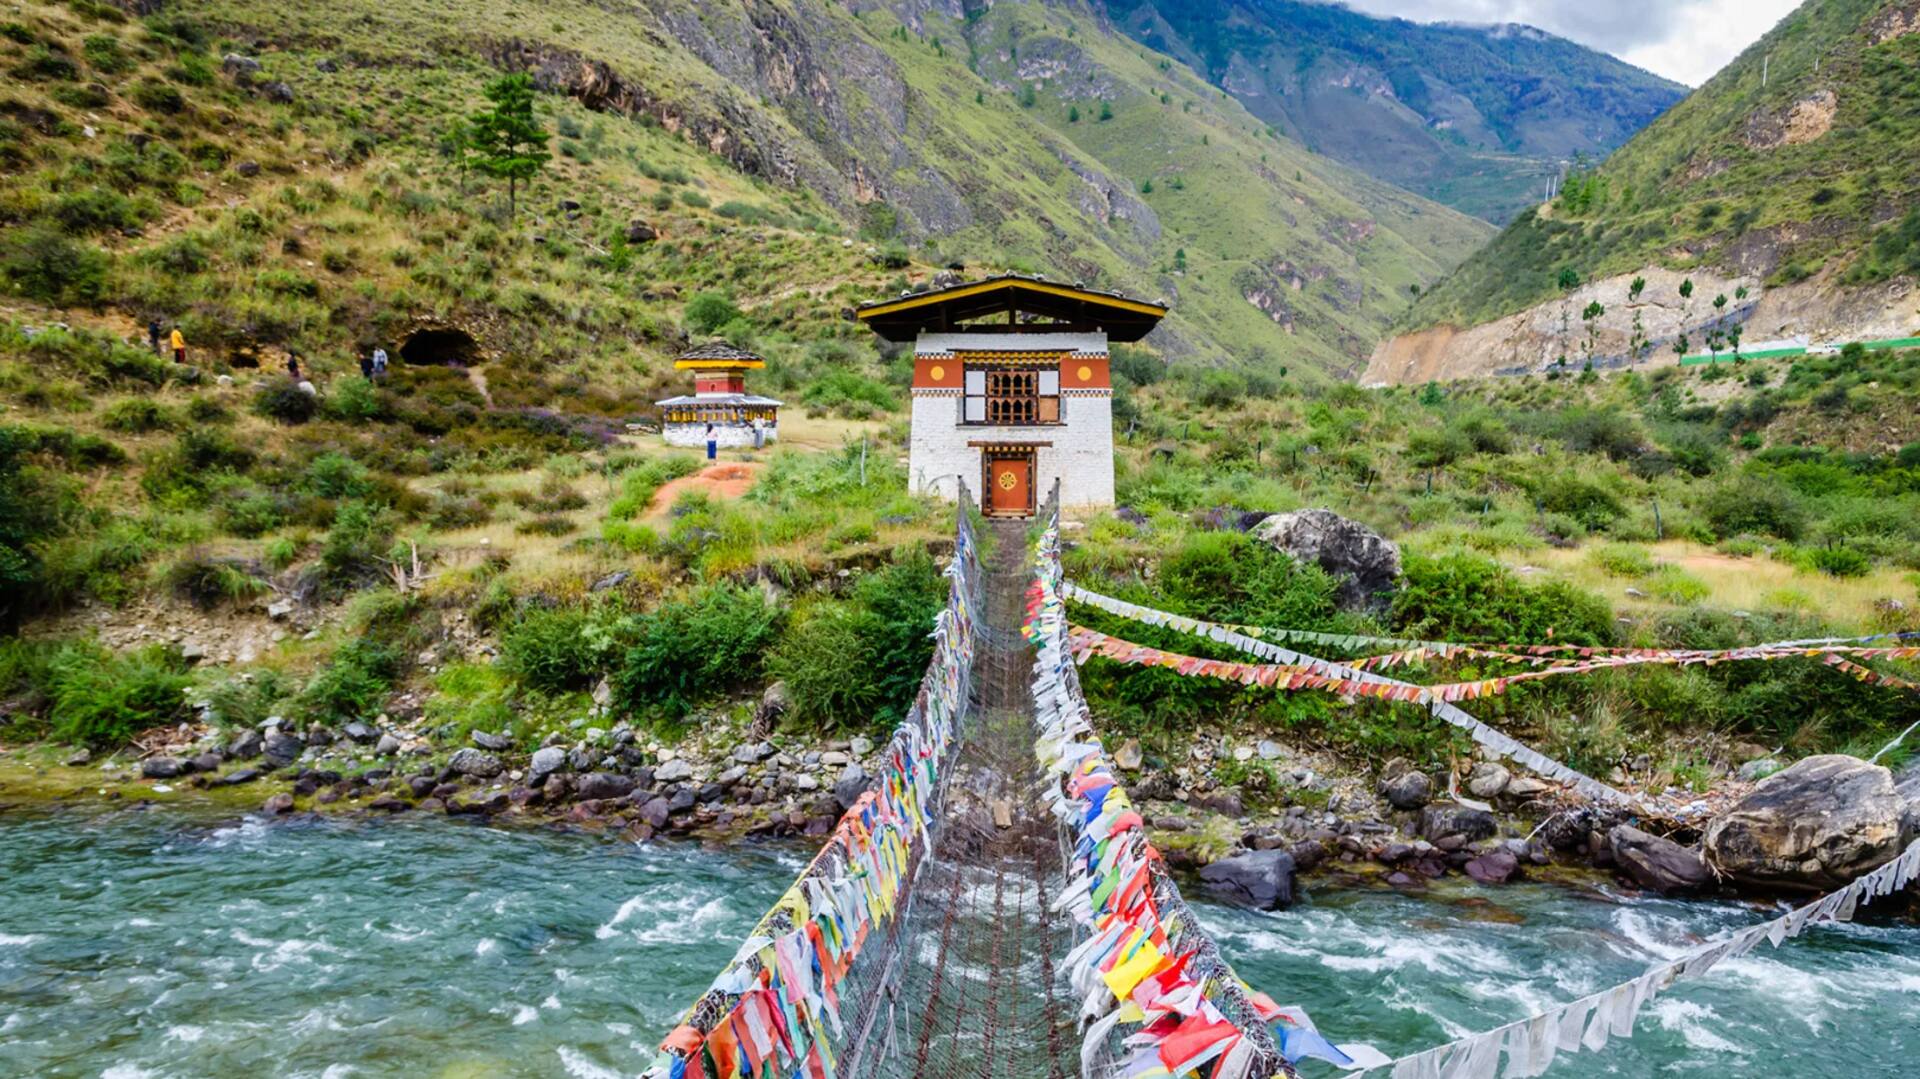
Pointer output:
x,y
1076,373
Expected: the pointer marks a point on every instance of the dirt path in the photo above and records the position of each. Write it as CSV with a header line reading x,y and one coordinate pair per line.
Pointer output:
x,y
727,480
479,380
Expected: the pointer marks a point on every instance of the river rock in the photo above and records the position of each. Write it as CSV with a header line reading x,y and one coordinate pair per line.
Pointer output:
x,y
1269,749
1128,756
360,732
731,776
1488,780
1493,867
753,752
1408,790
237,777
1813,827
498,743
676,770
1365,563
545,762
1527,788
598,785
681,801
388,745
1657,863
1456,823
654,812
387,803
283,749
805,782
278,804
475,762
162,768
1758,769
208,762
861,745
850,786
245,746
1262,879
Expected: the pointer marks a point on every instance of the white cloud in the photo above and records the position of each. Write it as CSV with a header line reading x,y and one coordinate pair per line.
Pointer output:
x,y
1685,40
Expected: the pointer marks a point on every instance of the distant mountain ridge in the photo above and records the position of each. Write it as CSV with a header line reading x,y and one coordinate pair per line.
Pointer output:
x,y
1474,116
1787,184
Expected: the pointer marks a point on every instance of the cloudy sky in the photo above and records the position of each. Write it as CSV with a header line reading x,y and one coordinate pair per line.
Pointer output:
x,y
1685,40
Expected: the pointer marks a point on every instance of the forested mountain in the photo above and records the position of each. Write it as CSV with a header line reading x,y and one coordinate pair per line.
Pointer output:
x,y
1477,117
1787,183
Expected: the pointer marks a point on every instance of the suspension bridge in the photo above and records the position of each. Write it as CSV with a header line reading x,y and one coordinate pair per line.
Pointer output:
x,y
991,906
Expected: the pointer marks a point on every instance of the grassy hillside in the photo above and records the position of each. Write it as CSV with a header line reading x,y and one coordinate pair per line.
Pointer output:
x,y
1792,162
1477,118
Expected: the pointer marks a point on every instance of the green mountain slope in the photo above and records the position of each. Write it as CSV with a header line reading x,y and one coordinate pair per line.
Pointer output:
x,y
1796,162
1475,117
949,132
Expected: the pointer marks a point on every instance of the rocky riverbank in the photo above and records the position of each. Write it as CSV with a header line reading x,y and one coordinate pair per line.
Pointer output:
x,y
1249,817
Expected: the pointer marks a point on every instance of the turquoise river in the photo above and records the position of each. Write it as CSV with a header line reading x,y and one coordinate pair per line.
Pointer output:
x,y
162,943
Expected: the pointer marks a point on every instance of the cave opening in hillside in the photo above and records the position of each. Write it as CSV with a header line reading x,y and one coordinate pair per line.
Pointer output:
x,y
442,347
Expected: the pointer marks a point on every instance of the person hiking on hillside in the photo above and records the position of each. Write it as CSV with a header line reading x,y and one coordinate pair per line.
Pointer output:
x,y
379,362
366,366
179,342
153,336
713,444
293,365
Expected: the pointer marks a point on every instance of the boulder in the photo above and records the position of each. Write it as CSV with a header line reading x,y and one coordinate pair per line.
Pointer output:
x,y
360,732
278,804
388,745
235,64
1455,822
1656,863
752,752
598,785
1493,867
475,762
1262,879
162,768
676,770
283,749
1488,780
237,777
250,169
639,232
1128,756
545,762
245,746
850,786
278,92
1527,788
1813,827
1408,790
489,740
654,812
1366,564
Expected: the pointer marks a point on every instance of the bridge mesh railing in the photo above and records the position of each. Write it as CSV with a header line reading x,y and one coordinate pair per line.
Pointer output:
x,y
1069,745
818,978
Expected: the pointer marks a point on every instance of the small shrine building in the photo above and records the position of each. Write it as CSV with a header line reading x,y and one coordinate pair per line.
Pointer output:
x,y
719,398
1012,387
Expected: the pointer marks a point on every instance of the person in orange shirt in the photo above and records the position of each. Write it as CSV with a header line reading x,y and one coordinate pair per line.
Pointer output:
x,y
179,341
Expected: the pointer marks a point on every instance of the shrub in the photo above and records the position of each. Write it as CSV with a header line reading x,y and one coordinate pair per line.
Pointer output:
x,y
355,684
207,582
188,471
1231,577
40,262
1675,585
284,400
354,551
843,390
691,648
1751,504
1468,597
335,475
550,650
156,96
355,401
1622,560
101,699
638,485
138,415
1585,501
706,312
1834,561
858,663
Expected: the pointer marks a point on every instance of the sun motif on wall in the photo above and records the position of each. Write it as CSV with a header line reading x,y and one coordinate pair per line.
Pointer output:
x,y
938,372
1086,373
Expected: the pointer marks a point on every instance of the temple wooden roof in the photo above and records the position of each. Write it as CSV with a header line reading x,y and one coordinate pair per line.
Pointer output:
x,y
1058,308
718,356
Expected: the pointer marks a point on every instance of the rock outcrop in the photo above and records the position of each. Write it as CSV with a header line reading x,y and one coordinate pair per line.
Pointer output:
x,y
1366,564
1656,863
1813,827
1262,879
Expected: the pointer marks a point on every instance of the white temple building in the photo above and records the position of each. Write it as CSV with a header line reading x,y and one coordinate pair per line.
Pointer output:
x,y
720,406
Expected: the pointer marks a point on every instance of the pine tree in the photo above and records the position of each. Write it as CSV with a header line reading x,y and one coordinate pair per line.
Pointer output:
x,y
1073,114
507,141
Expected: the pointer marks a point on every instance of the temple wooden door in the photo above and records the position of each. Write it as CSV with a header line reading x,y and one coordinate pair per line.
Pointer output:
x,y
1009,484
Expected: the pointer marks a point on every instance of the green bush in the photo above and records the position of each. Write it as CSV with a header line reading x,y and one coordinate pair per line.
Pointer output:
x,y
102,700
690,649
1675,585
355,401
706,312
844,390
138,415
284,400
42,263
355,684
550,649
355,549
1751,504
639,484
1468,597
1622,560
1834,561
1231,577
858,663
207,582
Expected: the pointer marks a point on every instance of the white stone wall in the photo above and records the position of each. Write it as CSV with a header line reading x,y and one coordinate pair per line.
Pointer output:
x,y
1081,456
729,436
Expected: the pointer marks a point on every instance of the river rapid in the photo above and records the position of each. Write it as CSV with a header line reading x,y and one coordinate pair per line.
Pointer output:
x,y
168,943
